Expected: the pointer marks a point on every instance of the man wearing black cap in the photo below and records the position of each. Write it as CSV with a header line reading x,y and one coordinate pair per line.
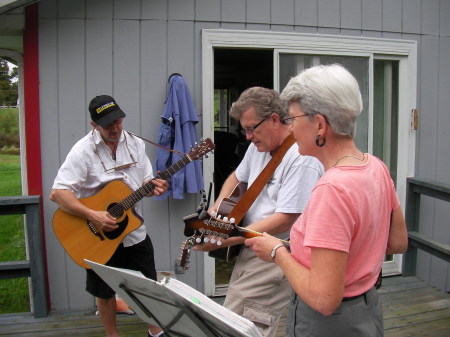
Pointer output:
x,y
105,154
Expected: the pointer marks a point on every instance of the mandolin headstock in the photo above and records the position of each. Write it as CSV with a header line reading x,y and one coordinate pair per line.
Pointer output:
x,y
183,260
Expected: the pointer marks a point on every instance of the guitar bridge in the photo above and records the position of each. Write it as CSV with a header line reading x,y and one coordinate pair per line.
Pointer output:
x,y
95,231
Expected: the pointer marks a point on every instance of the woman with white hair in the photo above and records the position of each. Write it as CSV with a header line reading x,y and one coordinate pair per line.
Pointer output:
x,y
353,218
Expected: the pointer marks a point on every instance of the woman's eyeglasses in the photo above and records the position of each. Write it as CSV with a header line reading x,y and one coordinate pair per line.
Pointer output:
x,y
288,120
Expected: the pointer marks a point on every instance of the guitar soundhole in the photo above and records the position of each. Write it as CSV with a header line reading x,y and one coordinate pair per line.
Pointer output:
x,y
116,210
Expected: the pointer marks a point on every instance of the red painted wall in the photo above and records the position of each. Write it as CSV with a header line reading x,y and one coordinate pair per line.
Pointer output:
x,y
31,100
32,113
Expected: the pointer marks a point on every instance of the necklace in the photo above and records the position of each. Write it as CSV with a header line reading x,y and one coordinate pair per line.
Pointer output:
x,y
349,156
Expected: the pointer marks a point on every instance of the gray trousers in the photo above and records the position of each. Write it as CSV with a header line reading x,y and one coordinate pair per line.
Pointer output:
x,y
258,291
361,317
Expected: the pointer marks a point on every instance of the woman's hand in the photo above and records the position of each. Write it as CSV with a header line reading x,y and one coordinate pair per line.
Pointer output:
x,y
263,245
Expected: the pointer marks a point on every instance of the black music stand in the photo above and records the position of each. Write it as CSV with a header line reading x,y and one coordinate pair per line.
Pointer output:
x,y
181,311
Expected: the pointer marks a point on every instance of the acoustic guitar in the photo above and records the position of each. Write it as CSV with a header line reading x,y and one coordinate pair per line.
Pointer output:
x,y
84,240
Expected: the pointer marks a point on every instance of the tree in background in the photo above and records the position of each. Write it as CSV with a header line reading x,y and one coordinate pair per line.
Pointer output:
x,y
8,87
9,116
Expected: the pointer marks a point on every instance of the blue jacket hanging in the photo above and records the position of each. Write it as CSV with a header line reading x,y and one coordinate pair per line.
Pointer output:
x,y
177,131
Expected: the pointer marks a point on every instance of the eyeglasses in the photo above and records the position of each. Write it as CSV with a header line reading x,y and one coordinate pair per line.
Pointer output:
x,y
120,167
289,120
249,131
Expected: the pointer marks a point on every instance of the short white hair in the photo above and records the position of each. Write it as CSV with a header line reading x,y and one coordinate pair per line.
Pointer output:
x,y
329,90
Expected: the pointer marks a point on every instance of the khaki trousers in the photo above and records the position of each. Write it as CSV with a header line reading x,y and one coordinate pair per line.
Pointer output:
x,y
258,291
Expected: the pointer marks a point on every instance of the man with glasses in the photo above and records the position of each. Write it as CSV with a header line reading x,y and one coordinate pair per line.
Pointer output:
x,y
258,290
105,154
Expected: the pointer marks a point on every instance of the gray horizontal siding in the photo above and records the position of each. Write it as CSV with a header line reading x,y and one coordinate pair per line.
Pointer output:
x,y
128,48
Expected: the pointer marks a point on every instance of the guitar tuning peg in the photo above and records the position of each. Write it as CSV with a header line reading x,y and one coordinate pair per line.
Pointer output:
x,y
198,240
219,243
232,220
225,218
213,240
206,239
213,213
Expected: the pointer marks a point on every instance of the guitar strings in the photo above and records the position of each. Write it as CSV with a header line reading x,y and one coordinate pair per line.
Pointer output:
x,y
217,219
142,191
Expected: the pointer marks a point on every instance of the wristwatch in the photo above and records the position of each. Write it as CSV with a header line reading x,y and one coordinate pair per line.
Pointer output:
x,y
273,253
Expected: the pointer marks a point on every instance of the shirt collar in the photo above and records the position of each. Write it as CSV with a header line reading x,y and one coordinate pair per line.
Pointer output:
x,y
97,138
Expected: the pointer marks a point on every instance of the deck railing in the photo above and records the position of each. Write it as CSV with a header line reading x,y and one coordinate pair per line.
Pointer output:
x,y
415,188
34,267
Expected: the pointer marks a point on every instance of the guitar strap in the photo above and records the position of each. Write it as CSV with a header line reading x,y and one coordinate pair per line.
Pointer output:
x,y
252,193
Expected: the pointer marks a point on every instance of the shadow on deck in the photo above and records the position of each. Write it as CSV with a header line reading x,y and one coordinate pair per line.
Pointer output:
x,y
410,306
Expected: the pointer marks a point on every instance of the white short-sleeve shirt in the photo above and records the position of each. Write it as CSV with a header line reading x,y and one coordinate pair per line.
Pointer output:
x,y
289,188
89,167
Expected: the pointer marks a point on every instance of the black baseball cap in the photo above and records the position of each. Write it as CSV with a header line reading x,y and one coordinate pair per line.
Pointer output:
x,y
104,110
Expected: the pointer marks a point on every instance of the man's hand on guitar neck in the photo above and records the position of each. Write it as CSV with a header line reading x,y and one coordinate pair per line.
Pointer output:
x,y
160,188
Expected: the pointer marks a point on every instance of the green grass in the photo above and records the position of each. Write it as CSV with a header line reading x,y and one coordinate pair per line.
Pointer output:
x,y
14,295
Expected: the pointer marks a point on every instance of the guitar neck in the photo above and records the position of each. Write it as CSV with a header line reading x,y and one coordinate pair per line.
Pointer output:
x,y
249,233
149,186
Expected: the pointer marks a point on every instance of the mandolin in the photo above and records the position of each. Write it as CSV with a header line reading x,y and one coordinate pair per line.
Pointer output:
x,y
201,226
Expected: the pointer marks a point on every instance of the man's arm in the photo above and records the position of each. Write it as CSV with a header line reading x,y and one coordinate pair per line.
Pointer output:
x,y
227,187
275,224
69,203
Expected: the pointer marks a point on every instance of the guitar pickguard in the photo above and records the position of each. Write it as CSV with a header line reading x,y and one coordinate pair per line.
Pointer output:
x,y
114,234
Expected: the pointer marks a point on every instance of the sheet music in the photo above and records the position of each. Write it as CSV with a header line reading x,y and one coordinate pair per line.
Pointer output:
x,y
179,308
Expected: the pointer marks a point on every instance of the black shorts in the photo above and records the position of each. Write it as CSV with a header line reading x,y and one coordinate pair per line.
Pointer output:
x,y
138,257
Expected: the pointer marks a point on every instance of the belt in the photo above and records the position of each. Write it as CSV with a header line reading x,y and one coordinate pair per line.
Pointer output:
x,y
346,299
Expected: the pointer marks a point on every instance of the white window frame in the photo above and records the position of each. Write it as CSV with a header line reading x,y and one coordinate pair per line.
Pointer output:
x,y
375,48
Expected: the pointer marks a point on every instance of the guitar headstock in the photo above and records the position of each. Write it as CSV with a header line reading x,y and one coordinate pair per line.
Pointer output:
x,y
203,148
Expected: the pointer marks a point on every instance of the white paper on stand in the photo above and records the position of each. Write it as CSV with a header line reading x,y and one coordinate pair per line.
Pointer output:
x,y
178,308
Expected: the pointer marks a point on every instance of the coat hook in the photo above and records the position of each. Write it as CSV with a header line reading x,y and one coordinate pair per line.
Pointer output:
x,y
173,74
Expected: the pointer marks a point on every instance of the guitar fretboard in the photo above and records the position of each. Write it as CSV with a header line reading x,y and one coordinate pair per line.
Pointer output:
x,y
148,187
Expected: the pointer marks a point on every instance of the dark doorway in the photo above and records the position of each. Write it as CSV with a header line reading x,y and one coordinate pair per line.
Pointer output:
x,y
234,71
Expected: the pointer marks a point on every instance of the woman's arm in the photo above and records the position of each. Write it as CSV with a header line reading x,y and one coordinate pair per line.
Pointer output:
x,y
322,286
398,235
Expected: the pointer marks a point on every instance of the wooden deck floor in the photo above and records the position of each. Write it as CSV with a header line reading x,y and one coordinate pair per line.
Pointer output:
x,y
411,308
